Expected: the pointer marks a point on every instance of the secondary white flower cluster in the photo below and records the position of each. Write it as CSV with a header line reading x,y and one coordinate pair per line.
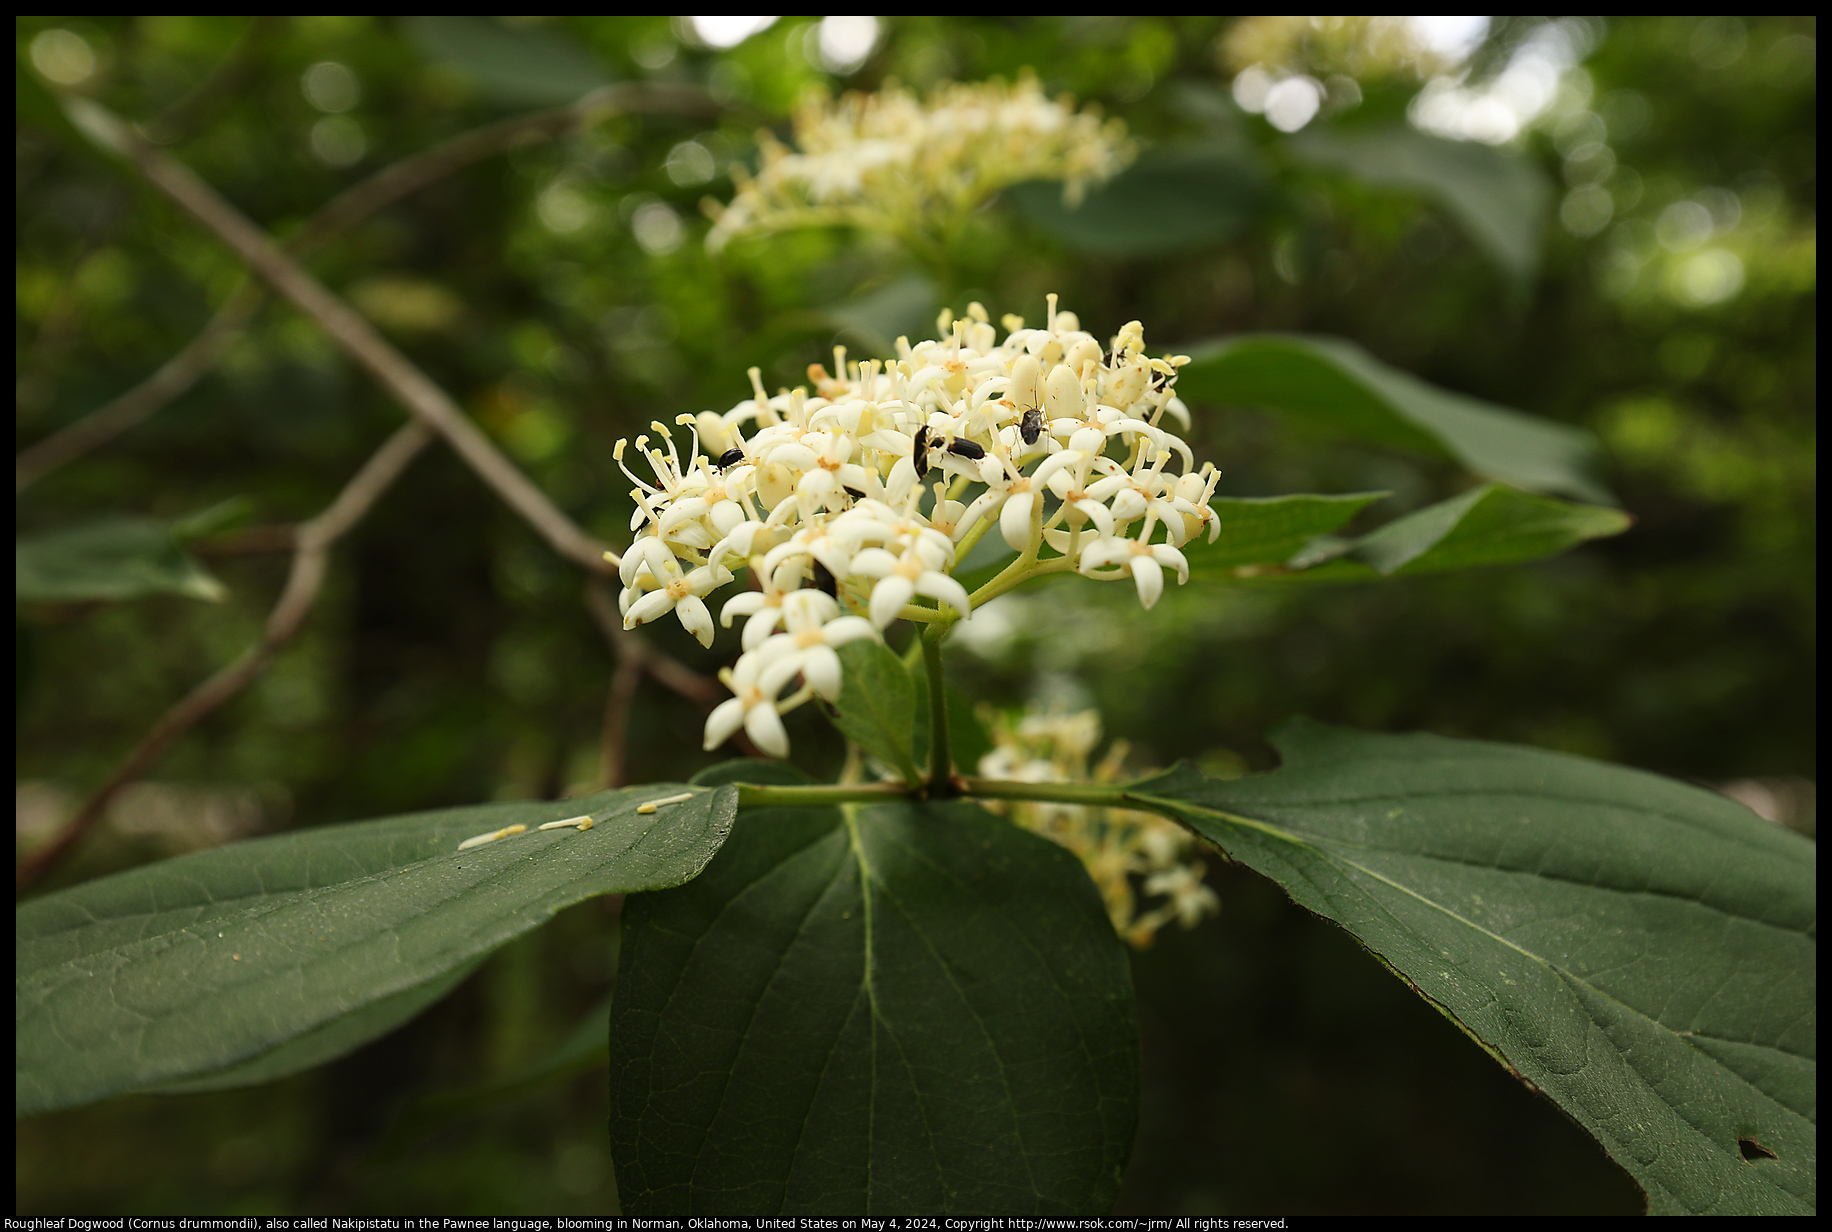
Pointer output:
x,y
1115,845
852,502
890,159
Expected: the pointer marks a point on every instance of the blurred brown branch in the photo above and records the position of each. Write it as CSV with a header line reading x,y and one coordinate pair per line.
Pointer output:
x,y
311,546
390,184
399,375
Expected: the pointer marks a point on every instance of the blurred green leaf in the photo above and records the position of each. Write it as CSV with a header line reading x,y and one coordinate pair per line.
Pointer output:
x,y
1262,533
877,706
1489,525
247,961
1169,200
1497,195
890,1010
1339,386
111,558
1641,951
512,64
905,305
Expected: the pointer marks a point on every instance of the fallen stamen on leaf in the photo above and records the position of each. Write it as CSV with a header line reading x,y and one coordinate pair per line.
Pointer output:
x,y
649,806
583,823
491,837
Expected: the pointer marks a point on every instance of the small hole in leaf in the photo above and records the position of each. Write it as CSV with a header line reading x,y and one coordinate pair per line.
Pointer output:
x,y
1753,1150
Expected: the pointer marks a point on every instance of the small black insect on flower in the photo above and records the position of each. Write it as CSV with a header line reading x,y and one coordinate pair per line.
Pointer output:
x,y
1031,426
919,454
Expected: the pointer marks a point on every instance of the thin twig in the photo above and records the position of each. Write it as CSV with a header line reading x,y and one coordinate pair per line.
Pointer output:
x,y
411,387
635,656
311,548
390,184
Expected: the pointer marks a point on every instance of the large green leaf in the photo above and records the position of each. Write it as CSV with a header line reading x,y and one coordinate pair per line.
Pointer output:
x,y
1260,534
891,1010
1340,386
1488,525
1497,195
110,558
1641,951
254,960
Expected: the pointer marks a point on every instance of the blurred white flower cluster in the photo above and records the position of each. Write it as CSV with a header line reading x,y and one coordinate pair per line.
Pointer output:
x,y
852,502
1116,845
890,161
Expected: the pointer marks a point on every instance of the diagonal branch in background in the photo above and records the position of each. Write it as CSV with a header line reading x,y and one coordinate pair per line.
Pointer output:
x,y
386,186
424,399
311,546
635,655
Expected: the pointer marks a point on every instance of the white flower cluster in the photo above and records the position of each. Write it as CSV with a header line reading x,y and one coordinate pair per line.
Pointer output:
x,y
890,159
852,504
1115,845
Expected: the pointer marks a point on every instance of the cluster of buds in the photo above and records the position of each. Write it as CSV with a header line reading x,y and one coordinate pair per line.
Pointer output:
x,y
851,502
892,162
1119,847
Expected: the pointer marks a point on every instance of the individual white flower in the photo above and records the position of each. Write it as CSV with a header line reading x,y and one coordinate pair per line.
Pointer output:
x,y
749,707
1190,899
1145,561
807,648
902,577
680,593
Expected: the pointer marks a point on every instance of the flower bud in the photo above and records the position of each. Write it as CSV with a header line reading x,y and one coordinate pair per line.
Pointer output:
x,y
1062,396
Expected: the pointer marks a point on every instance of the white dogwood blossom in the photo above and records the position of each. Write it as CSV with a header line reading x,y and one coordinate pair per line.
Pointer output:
x,y
895,163
852,502
1126,853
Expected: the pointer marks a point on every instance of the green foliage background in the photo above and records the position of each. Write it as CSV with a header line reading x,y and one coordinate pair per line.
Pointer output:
x,y
452,660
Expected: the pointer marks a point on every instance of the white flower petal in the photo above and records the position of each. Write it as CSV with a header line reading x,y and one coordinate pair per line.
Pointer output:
x,y
1149,578
888,598
764,726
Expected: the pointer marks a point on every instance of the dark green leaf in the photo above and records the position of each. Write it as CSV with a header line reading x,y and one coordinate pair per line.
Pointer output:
x,y
893,1010
513,64
877,706
1489,525
113,558
1169,200
1340,386
1641,951
1260,534
1497,195
249,961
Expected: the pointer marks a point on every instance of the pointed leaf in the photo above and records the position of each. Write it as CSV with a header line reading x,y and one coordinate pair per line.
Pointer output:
x,y
1259,534
253,960
877,706
892,1010
1641,951
1340,386
111,558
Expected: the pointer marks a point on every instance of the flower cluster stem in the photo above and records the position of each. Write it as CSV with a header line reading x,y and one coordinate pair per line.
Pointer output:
x,y
941,763
1109,795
